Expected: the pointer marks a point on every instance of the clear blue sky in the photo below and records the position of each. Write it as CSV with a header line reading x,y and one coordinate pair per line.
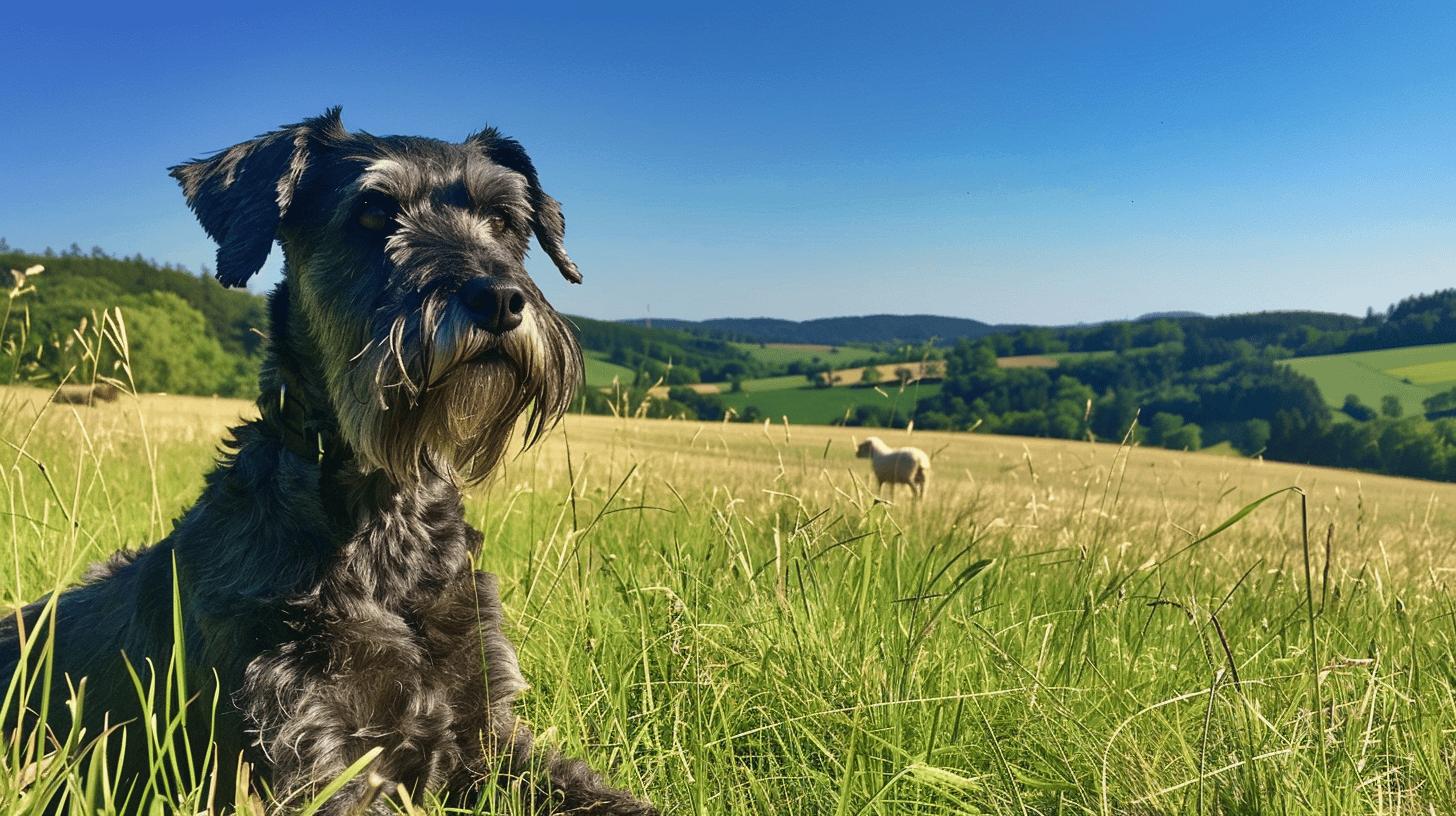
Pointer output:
x,y
1048,163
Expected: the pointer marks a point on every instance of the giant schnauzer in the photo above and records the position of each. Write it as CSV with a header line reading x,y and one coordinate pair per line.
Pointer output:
x,y
329,601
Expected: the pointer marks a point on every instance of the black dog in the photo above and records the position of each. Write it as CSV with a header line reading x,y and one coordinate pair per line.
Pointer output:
x,y
326,581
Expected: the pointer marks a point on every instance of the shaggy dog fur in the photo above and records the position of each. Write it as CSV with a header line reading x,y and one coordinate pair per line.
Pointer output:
x,y
329,600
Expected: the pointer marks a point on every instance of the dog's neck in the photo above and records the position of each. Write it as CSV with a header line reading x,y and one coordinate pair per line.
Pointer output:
x,y
357,499
295,408
304,431
292,403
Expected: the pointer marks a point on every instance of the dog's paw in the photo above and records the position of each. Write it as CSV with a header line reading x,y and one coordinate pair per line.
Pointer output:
x,y
616,803
631,807
636,807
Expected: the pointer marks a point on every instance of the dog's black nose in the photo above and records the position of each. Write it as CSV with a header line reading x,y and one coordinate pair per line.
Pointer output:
x,y
495,306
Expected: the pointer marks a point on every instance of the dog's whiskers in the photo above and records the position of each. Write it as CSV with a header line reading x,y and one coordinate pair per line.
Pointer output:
x,y
363,351
396,349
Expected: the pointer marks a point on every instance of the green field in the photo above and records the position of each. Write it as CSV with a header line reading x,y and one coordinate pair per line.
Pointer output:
x,y
1068,356
1412,374
806,405
787,381
600,373
724,619
785,353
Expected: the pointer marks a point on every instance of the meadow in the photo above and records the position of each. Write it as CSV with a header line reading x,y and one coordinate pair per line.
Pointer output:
x,y
725,618
785,353
821,406
602,373
1411,374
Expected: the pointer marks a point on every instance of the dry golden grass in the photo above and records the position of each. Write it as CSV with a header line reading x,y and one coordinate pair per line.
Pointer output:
x,y
1026,361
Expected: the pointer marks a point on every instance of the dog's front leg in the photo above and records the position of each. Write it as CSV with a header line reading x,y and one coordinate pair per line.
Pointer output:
x,y
297,781
499,752
554,783
315,736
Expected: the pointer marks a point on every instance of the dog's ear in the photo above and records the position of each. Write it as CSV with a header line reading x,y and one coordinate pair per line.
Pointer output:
x,y
548,224
242,193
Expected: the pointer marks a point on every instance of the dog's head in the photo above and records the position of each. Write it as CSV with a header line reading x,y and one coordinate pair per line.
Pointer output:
x,y
405,258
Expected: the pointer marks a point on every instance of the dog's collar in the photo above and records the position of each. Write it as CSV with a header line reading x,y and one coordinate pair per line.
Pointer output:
x,y
303,434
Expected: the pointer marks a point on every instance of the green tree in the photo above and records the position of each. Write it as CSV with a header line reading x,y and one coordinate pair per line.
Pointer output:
x,y
682,375
1442,403
1356,409
870,375
702,406
1187,436
1252,436
170,348
820,374
1390,406
1163,425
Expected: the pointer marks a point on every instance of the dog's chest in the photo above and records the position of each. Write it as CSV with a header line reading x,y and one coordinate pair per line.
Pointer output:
x,y
378,609
373,655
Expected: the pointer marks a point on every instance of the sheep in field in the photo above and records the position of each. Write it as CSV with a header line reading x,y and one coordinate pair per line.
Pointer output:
x,y
909,466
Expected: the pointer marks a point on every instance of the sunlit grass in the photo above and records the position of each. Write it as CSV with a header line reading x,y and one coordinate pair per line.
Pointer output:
x,y
723,618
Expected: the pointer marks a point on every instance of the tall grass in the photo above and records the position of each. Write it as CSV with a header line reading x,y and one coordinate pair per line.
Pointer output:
x,y
725,618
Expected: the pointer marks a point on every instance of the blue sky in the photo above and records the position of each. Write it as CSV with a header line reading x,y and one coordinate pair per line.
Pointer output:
x,y
1043,163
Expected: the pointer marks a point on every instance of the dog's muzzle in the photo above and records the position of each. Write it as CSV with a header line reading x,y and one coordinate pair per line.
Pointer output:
x,y
493,305
488,318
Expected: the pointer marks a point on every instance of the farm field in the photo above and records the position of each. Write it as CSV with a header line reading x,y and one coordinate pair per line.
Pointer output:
x,y
786,381
1063,356
785,353
1048,360
888,375
806,404
724,618
1027,361
792,395
600,373
842,377
757,385
1412,374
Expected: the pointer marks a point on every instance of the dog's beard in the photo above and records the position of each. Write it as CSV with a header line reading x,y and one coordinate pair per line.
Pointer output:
x,y
431,391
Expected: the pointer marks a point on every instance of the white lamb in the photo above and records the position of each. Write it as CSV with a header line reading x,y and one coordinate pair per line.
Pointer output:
x,y
908,466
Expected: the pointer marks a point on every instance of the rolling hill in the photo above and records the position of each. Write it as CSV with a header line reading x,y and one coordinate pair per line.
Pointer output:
x,y
881,328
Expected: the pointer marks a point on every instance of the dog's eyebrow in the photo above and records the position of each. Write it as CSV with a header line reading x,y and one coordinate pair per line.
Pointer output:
x,y
490,185
400,180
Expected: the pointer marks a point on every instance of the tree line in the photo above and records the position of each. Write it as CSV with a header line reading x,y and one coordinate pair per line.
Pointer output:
x,y
1187,397
185,332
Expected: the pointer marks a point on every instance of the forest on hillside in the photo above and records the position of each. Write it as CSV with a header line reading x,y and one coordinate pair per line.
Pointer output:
x,y
187,334
190,335
1189,396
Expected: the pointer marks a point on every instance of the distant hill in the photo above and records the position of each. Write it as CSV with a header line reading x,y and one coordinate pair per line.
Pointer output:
x,y
1173,315
835,331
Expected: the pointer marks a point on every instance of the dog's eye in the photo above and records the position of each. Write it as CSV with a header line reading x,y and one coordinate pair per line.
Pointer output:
x,y
496,223
377,216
